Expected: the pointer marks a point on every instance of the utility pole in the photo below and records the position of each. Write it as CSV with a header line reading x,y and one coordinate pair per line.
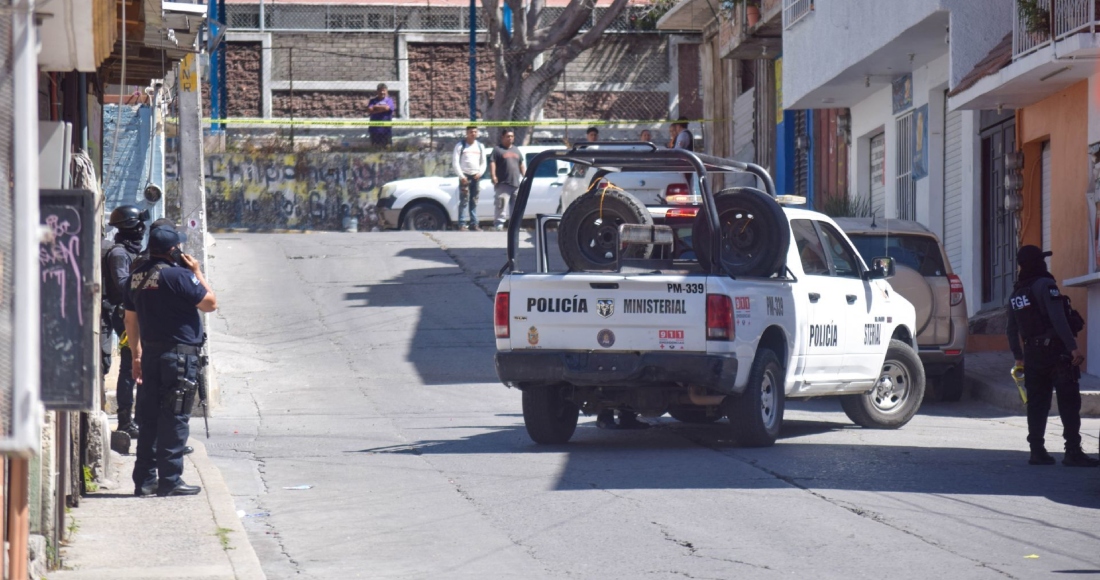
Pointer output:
x,y
192,184
473,60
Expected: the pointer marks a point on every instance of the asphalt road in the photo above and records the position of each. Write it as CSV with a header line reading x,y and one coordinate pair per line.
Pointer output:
x,y
361,365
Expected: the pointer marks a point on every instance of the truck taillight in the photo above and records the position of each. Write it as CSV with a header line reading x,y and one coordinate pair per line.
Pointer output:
x,y
677,193
956,289
681,212
500,315
719,317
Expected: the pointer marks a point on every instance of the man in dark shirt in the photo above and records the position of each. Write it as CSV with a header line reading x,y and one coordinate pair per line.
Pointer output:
x,y
381,109
117,263
506,167
165,329
1050,358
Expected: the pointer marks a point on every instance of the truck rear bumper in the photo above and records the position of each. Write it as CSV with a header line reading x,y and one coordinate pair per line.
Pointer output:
x,y
627,369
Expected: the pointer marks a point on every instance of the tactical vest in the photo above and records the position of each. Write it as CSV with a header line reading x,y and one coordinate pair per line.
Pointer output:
x,y
1029,317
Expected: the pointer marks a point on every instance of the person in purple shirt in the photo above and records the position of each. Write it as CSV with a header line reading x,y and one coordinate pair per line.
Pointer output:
x,y
381,108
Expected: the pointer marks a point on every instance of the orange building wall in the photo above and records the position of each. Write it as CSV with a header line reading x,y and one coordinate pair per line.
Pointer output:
x,y
1063,119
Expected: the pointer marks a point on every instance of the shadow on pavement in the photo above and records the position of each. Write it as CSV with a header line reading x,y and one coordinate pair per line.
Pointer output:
x,y
673,455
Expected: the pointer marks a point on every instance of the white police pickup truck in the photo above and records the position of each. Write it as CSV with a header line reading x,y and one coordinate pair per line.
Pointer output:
x,y
778,306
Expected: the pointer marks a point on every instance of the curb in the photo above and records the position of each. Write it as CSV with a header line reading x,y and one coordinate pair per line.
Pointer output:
x,y
1005,396
242,557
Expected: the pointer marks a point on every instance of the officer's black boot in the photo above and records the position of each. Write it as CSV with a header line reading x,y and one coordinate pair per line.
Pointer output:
x,y
1039,456
1076,457
126,423
606,419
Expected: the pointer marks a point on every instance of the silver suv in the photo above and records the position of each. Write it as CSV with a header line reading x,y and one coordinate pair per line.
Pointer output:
x,y
924,277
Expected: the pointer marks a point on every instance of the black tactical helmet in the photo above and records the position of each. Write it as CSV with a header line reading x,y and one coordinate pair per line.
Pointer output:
x,y
128,217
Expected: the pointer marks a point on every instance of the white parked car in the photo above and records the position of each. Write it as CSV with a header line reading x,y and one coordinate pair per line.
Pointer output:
x,y
431,203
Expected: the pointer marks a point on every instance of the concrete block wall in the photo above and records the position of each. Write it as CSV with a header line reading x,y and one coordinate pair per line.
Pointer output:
x,y
334,57
439,79
244,68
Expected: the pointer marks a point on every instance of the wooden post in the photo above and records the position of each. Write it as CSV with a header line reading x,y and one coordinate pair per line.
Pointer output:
x,y
19,517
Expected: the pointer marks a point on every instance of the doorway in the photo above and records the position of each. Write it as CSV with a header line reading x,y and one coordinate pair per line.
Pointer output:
x,y
998,235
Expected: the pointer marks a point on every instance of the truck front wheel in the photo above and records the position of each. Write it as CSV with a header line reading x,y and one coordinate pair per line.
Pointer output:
x,y
550,419
897,394
757,414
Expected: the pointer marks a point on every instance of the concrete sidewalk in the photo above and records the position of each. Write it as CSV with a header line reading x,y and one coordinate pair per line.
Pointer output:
x,y
988,380
118,535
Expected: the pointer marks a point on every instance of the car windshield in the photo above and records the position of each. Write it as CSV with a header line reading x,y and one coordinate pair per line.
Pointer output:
x,y
920,253
548,168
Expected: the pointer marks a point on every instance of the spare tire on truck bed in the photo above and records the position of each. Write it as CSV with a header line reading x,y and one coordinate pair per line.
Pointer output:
x,y
588,233
754,229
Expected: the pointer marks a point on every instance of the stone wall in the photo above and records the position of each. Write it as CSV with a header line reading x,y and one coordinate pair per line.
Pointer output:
x,y
337,56
325,104
244,69
439,79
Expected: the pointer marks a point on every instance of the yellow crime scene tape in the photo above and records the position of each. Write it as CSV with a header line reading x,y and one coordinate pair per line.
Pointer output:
x,y
441,122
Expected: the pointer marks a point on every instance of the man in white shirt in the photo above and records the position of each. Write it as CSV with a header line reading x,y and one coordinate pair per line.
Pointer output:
x,y
469,165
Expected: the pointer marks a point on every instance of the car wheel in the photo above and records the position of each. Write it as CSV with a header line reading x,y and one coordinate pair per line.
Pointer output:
x,y
424,217
695,415
897,394
754,230
588,232
757,414
549,418
951,384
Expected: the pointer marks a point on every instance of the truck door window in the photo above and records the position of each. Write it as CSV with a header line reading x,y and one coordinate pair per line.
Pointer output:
x,y
809,248
844,259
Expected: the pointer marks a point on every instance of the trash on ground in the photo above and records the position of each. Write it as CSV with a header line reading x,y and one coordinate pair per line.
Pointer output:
x,y
297,487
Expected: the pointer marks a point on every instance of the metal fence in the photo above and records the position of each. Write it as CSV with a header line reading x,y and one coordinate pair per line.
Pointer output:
x,y
625,85
266,16
1030,32
795,10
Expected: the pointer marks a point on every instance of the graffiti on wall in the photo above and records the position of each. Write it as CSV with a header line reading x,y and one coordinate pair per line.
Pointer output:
x,y
316,191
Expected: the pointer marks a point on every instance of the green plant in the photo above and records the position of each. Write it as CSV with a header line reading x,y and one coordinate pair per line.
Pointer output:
x,y
726,8
223,537
1036,16
653,12
89,480
73,527
843,206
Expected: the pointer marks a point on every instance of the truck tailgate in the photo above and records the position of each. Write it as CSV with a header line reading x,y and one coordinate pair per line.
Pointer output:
x,y
608,312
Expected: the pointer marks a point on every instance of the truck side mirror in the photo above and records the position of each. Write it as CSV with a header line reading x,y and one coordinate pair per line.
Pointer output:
x,y
881,269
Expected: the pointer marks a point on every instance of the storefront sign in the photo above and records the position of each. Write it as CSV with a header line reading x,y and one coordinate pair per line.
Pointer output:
x,y
919,143
903,93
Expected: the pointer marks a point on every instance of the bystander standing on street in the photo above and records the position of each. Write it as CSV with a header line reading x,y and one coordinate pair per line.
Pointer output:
x,y
469,165
506,168
592,134
680,136
381,108
1039,314
165,328
646,136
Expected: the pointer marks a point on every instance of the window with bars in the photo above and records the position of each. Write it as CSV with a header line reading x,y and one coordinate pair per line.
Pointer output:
x,y
906,206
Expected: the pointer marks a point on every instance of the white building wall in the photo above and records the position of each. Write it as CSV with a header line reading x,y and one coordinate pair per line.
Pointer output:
x,y
976,27
822,45
868,121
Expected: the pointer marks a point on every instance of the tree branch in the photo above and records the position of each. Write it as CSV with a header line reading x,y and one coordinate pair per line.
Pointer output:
x,y
564,27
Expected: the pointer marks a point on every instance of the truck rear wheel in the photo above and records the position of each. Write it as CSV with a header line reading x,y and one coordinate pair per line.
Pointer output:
x,y
754,230
588,232
897,394
549,418
696,415
757,414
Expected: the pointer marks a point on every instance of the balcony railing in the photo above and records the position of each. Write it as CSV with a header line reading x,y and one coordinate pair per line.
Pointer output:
x,y
1055,20
795,10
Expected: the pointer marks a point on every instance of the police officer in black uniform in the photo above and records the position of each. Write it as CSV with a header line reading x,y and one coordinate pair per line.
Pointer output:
x,y
1050,358
117,263
165,327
